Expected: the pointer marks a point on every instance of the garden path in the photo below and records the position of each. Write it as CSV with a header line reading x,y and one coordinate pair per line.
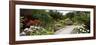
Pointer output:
x,y
66,30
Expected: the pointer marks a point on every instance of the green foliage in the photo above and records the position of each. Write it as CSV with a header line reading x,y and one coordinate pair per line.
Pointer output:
x,y
42,31
38,11
55,14
44,18
80,17
70,15
53,20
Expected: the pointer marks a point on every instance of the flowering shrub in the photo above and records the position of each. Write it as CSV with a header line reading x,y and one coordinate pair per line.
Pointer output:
x,y
81,29
37,30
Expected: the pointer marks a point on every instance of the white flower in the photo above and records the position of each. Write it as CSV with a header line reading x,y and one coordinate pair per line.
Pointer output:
x,y
88,30
80,29
32,26
37,27
23,34
83,25
83,31
30,30
26,29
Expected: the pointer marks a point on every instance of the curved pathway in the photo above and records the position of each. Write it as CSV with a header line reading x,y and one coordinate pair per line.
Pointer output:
x,y
66,30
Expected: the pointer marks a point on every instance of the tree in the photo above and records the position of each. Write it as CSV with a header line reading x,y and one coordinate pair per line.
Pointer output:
x,y
70,15
55,14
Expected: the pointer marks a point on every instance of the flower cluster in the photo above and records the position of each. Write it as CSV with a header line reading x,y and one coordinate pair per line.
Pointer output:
x,y
28,31
81,29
